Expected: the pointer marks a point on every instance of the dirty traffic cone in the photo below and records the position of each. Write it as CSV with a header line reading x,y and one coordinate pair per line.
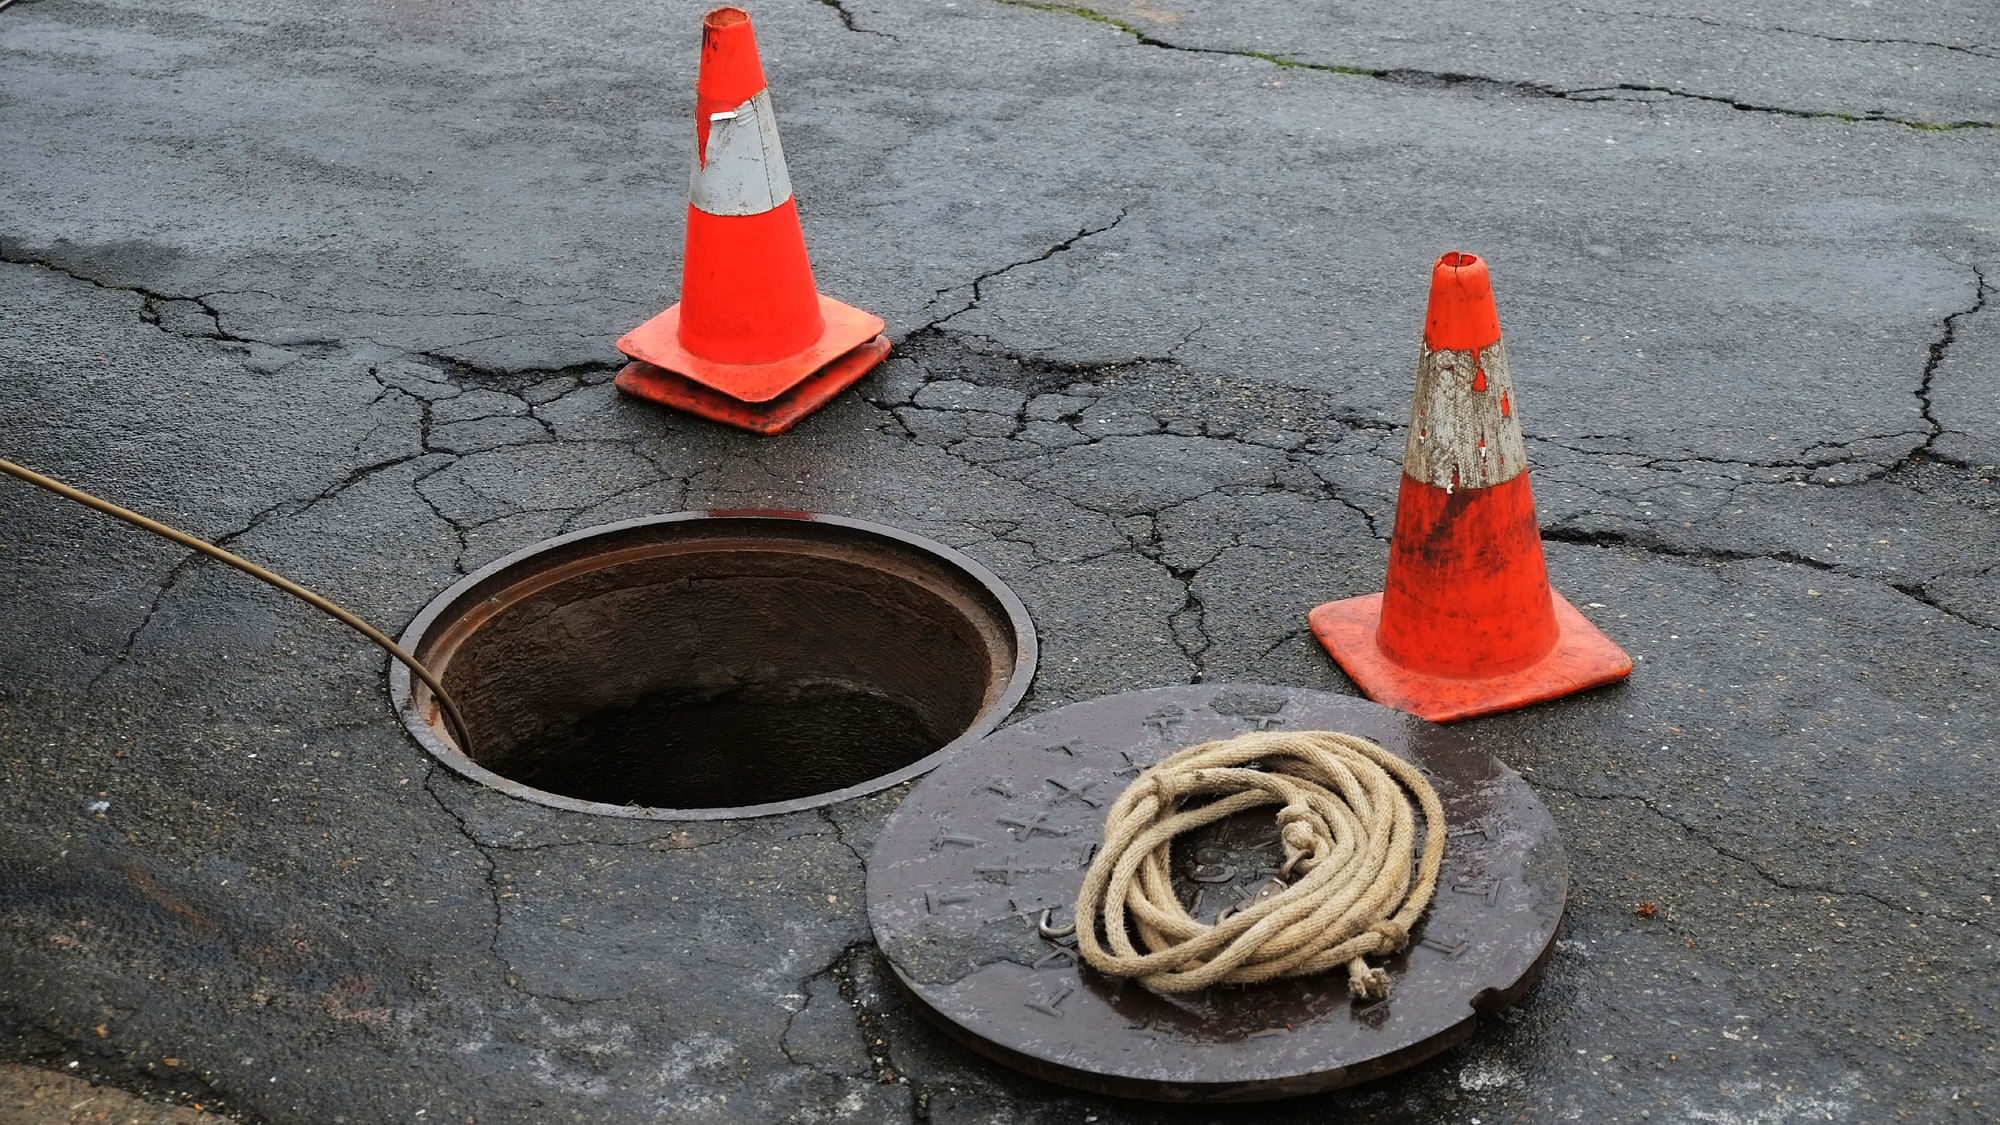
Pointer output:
x,y
1466,623
752,342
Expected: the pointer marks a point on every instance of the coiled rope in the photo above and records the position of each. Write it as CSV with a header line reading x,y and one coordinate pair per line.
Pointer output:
x,y
1349,834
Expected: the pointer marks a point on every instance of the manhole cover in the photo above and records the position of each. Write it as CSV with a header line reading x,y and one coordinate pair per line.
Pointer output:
x,y
998,837
706,665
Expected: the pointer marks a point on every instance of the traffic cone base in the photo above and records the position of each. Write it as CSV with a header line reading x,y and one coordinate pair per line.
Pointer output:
x,y
658,343
1583,657
751,342
773,416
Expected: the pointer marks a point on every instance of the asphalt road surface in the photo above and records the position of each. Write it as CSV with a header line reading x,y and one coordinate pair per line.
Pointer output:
x,y
338,285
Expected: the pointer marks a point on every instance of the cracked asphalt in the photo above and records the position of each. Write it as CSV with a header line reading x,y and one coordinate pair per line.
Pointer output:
x,y
337,286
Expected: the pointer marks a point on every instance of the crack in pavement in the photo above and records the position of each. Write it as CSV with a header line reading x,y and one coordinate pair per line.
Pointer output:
x,y
840,836
1625,458
508,974
1935,357
1408,76
1977,52
1192,610
288,506
847,20
873,1023
1195,612
1696,834
525,376
1611,92
445,369
979,282
153,604
149,312
1290,636
1333,493
1917,592
153,302
1653,545
680,501
838,969
492,876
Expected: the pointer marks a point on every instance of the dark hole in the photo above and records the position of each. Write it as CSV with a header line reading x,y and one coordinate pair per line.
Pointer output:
x,y
738,746
721,663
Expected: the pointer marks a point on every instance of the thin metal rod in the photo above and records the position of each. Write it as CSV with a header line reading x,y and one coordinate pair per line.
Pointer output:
x,y
458,728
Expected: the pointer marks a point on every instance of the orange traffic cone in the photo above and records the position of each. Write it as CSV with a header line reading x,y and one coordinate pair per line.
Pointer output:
x,y
1466,623
752,342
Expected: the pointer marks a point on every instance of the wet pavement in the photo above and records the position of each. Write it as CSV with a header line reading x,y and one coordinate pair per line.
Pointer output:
x,y
338,286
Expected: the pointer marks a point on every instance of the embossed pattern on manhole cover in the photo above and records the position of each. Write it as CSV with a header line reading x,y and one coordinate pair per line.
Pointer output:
x,y
977,872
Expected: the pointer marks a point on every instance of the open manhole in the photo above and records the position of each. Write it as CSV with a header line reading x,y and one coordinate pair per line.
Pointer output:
x,y
707,665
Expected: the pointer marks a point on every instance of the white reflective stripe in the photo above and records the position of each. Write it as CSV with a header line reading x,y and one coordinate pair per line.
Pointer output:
x,y
1460,437
745,170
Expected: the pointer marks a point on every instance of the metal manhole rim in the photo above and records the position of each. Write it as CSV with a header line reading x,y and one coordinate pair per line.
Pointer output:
x,y
1026,659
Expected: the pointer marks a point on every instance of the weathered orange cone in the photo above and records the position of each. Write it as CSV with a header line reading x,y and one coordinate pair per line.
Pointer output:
x,y
752,342
1466,623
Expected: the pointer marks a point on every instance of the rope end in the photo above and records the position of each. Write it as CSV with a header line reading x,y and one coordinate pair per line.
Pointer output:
x,y
1365,983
